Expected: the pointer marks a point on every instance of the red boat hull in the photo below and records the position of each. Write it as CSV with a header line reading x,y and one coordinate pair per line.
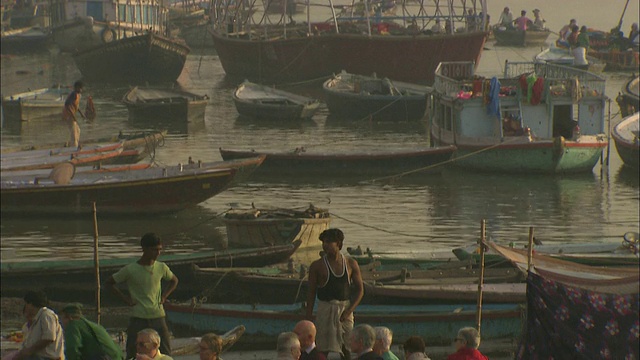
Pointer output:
x,y
398,57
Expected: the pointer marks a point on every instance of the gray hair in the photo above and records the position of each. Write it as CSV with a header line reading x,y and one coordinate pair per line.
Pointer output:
x,y
286,341
153,335
365,334
386,335
471,336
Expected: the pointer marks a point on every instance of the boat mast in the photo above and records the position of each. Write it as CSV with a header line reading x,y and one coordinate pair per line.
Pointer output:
x,y
622,16
335,19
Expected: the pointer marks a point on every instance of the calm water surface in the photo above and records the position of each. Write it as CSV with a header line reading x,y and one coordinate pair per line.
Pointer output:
x,y
415,214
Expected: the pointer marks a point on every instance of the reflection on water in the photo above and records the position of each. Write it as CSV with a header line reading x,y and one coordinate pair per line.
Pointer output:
x,y
421,212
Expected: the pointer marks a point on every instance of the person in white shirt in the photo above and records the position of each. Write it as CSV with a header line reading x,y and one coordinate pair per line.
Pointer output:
x,y
44,338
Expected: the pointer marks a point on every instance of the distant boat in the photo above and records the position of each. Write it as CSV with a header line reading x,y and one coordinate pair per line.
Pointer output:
x,y
437,324
363,97
24,40
357,163
625,135
275,226
515,37
267,49
174,104
139,59
264,102
40,104
529,129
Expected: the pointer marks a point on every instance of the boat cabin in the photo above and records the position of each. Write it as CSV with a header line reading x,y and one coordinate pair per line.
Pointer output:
x,y
536,100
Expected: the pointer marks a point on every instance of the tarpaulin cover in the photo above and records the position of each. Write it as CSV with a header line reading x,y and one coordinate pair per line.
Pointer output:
x,y
568,321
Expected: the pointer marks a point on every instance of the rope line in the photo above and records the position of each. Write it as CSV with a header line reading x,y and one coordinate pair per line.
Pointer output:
x,y
379,228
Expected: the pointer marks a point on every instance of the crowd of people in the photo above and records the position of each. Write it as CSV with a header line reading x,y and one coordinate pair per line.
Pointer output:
x,y
522,23
335,282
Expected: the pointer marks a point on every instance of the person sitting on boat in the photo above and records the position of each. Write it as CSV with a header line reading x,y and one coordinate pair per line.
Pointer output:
x,y
331,278
471,20
563,39
573,37
148,346
210,347
288,346
466,344
71,106
506,19
144,282
415,348
306,332
538,21
523,22
84,339
437,28
382,345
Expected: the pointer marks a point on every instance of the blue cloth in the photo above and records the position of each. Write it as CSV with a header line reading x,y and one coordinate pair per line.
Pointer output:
x,y
493,107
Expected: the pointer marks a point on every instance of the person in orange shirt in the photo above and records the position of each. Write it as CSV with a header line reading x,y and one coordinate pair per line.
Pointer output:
x,y
71,106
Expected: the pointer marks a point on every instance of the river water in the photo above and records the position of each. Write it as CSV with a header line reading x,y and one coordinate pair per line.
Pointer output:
x,y
418,214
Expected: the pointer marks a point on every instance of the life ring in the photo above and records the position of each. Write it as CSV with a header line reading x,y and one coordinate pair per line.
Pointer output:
x,y
108,35
558,146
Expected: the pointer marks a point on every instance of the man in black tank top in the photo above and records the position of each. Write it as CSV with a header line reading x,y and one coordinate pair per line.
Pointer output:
x,y
331,278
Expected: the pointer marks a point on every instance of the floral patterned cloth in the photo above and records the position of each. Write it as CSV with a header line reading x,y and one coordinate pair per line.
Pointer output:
x,y
567,321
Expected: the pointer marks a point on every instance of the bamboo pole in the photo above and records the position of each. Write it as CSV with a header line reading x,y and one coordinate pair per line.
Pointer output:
x,y
530,256
483,227
96,260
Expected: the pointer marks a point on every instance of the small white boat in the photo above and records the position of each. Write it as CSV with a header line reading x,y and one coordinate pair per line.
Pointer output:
x,y
264,102
560,56
32,105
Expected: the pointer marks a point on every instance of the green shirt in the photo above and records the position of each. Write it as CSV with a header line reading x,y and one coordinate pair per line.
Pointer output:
x,y
144,284
84,339
389,356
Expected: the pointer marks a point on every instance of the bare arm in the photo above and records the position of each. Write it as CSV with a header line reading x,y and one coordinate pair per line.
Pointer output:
x,y
111,283
356,280
313,288
173,283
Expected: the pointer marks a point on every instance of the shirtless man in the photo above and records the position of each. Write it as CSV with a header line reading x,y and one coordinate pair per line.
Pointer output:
x,y
331,278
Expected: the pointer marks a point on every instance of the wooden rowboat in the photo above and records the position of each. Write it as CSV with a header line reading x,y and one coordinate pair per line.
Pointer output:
x,y
362,164
264,102
64,279
177,105
625,135
437,324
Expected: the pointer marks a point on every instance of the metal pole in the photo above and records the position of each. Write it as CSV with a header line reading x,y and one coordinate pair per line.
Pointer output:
x,y
530,257
96,260
481,280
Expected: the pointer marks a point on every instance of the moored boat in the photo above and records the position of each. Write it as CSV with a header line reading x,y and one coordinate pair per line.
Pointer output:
x,y
40,104
275,226
437,324
147,58
270,49
629,98
146,191
190,346
24,40
363,163
625,135
174,104
54,275
563,56
43,159
264,102
85,24
526,123
369,97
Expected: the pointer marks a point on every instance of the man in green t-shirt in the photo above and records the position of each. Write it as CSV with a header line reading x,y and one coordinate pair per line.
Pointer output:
x,y
84,339
144,282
